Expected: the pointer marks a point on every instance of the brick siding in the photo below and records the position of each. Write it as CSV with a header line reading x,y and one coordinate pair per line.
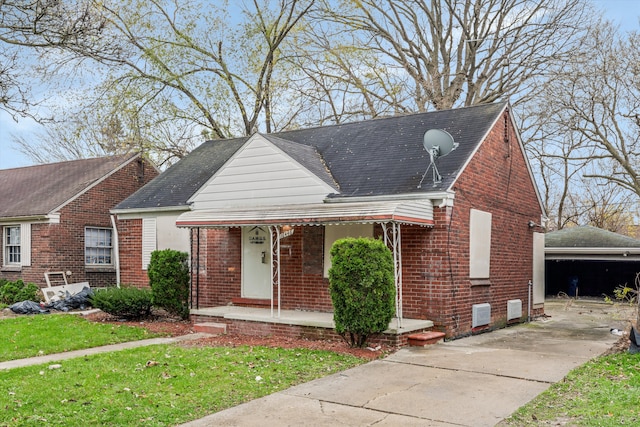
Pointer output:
x,y
60,247
436,284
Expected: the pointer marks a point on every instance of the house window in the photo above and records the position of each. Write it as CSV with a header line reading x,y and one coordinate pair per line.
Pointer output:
x,y
11,242
335,232
97,246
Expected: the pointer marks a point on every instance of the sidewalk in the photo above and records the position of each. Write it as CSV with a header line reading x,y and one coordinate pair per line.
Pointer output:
x,y
475,381
49,358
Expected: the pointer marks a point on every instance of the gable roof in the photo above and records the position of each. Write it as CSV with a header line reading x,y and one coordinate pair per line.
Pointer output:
x,y
588,237
376,157
176,185
590,243
42,189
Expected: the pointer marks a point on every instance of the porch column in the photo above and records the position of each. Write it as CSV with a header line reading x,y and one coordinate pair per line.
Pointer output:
x,y
274,240
392,238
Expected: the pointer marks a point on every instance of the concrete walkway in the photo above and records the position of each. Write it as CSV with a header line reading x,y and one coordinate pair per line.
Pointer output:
x,y
475,381
50,358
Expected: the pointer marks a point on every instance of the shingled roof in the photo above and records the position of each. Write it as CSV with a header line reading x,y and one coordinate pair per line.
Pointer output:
x,y
370,158
588,237
39,190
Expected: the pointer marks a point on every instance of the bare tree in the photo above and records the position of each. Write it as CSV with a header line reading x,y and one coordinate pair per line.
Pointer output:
x,y
218,75
450,53
591,105
30,27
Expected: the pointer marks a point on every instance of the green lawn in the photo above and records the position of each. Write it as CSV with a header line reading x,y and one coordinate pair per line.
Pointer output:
x,y
36,335
603,392
157,385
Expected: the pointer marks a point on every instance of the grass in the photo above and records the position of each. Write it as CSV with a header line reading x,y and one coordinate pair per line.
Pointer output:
x,y
603,392
31,336
157,385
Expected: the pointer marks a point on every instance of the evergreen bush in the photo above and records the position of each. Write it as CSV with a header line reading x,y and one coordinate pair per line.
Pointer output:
x,y
169,280
18,291
362,288
125,302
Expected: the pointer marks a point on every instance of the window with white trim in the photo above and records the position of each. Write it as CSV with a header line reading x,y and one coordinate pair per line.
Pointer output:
x,y
11,245
98,246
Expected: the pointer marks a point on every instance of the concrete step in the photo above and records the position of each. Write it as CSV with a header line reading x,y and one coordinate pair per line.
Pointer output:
x,y
423,339
210,328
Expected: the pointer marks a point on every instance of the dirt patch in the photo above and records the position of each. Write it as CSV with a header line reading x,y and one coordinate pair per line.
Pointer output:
x,y
162,323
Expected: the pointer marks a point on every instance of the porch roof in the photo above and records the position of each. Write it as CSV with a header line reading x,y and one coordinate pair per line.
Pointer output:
x,y
416,212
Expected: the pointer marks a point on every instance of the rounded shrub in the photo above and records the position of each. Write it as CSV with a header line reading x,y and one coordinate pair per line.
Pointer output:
x,y
362,288
125,302
169,280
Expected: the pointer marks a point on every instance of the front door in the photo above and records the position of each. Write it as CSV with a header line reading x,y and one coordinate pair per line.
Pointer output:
x,y
256,263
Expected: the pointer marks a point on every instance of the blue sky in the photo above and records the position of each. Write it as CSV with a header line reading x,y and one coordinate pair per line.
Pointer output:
x,y
622,12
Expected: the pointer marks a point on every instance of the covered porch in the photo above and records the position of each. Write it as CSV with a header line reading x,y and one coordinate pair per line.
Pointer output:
x,y
289,323
270,318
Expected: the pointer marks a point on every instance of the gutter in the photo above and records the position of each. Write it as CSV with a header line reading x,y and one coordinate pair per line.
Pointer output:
x,y
135,211
30,218
445,195
592,251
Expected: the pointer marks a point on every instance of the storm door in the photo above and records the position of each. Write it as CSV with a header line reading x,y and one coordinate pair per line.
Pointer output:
x,y
256,263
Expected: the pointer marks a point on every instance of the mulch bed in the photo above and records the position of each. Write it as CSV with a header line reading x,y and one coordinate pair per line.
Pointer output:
x,y
162,323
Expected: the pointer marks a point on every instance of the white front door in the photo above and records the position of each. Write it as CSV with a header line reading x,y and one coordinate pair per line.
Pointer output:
x,y
256,263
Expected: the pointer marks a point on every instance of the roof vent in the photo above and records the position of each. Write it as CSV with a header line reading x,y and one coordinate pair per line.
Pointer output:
x,y
438,143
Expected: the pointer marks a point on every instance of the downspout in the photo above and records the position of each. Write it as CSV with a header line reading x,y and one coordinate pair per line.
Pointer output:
x,y
116,249
198,270
192,264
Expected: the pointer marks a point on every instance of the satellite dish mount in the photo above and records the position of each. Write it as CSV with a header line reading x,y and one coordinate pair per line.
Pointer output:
x,y
438,143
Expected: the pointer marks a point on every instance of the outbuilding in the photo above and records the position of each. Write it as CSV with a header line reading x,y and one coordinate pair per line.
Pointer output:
x,y
589,261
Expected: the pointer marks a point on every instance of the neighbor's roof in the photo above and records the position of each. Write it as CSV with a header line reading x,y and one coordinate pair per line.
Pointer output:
x,y
590,243
588,237
370,158
39,190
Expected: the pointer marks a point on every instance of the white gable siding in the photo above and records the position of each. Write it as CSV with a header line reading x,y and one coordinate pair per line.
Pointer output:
x,y
260,174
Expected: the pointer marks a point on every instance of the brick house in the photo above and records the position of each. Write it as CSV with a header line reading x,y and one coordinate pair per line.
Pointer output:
x,y
262,212
55,217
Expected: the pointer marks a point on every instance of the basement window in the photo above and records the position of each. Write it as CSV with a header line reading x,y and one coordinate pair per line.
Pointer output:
x,y
98,246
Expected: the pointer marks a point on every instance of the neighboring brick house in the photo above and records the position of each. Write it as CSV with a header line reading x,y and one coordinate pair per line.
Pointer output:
x,y
263,211
55,217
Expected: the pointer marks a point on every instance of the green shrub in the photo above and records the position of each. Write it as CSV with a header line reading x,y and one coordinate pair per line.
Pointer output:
x,y
125,302
13,292
362,288
169,280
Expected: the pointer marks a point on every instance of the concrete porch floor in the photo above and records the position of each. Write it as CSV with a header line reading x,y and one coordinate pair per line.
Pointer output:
x,y
300,318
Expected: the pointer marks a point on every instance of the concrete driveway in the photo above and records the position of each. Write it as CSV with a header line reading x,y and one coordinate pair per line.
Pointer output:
x,y
474,381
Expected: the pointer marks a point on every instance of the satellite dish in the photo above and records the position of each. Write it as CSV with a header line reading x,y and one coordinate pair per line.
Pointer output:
x,y
437,143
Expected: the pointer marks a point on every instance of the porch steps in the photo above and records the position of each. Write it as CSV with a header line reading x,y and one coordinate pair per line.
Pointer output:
x,y
210,328
423,339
